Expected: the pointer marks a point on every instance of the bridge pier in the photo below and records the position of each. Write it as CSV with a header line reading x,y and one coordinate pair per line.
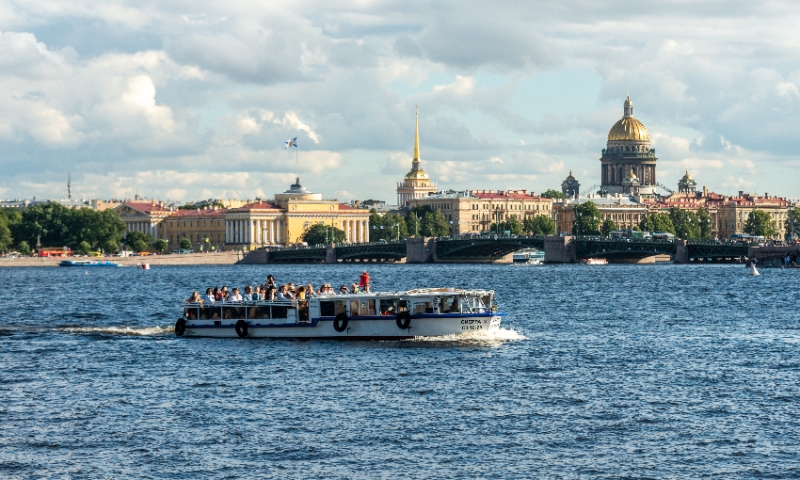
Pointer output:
x,y
330,253
259,256
682,251
420,250
559,249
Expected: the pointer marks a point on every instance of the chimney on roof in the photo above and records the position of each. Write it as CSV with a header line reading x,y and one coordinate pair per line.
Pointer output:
x,y
766,195
705,191
741,193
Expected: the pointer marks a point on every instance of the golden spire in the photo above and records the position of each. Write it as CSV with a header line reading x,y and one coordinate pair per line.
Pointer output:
x,y
416,137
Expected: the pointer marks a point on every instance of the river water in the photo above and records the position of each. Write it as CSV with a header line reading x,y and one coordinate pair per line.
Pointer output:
x,y
599,372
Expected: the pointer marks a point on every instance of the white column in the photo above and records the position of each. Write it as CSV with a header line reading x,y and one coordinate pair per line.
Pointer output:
x,y
366,231
236,231
280,233
252,234
358,231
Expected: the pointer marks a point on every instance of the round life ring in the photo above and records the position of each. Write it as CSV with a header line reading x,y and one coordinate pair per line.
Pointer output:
x,y
180,327
241,328
340,322
403,320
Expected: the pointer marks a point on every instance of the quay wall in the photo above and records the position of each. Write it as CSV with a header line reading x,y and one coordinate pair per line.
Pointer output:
x,y
216,258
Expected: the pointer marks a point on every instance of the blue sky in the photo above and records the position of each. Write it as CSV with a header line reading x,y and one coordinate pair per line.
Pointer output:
x,y
190,100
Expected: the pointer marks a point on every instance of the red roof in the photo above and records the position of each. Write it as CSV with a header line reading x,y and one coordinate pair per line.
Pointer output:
x,y
199,213
259,206
146,207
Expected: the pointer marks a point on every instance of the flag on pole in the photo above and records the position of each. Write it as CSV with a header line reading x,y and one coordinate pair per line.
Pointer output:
x,y
290,143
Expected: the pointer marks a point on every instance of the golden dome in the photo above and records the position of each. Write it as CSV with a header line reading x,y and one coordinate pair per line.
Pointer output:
x,y
417,175
570,178
687,177
629,129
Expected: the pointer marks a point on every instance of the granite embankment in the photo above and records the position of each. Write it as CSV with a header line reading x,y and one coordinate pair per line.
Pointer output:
x,y
218,258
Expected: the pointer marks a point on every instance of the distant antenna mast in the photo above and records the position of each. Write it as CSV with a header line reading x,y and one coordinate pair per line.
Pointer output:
x,y
69,186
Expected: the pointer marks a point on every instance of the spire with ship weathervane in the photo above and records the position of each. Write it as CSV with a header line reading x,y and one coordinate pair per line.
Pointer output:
x,y
416,137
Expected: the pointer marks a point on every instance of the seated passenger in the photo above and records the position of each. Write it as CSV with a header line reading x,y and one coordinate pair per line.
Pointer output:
x,y
282,293
354,288
366,289
217,294
194,298
257,296
310,292
248,294
343,290
271,293
209,296
235,296
454,308
301,293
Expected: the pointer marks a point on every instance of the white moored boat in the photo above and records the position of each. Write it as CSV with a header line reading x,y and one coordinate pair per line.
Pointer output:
x,y
385,315
528,257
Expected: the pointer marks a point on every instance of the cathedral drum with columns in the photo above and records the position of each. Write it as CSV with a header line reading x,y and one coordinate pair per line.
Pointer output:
x,y
628,158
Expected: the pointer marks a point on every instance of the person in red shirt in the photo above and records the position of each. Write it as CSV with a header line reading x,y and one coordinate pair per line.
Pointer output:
x,y
363,279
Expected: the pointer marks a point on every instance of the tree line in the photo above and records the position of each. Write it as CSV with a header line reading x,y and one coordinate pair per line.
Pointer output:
x,y
685,224
54,225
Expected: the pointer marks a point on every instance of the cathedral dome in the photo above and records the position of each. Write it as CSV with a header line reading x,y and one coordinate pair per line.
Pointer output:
x,y
417,175
628,128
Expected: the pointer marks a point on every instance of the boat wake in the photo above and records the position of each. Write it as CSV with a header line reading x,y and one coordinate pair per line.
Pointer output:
x,y
481,337
129,331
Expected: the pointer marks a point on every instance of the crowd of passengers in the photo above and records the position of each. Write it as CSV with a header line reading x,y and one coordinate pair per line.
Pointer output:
x,y
270,291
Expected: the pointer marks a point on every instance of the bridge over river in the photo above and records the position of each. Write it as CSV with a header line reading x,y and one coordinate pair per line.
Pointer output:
x,y
491,248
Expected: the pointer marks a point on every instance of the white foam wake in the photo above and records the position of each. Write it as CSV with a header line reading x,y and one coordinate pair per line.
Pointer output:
x,y
133,331
498,335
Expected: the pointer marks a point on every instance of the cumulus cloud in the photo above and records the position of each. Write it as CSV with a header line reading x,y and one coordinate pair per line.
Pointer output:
x,y
133,91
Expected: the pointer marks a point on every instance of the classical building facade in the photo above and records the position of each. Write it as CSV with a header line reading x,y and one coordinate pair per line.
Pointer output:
x,y
624,210
281,221
474,211
416,183
628,150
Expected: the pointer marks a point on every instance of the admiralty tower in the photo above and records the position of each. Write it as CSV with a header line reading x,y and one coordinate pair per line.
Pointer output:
x,y
628,152
416,183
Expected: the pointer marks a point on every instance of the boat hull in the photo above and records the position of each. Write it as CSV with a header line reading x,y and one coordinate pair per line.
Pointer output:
x,y
372,328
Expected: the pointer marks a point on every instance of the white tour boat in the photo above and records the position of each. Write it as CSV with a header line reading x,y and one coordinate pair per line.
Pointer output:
x,y
416,313
594,261
528,257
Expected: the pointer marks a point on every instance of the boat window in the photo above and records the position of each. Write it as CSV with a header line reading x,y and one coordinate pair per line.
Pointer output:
x,y
402,306
423,307
388,306
354,308
303,310
450,305
258,312
327,309
368,306
215,313
190,313
280,311
341,307
252,311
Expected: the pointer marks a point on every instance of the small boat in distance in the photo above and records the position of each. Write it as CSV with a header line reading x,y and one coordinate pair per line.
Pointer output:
x,y
594,261
528,256
427,312
89,263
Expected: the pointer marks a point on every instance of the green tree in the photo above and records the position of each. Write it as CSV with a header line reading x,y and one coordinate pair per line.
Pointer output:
x,y
24,248
761,223
704,224
161,245
83,248
45,222
657,222
185,244
6,240
608,226
413,224
555,194
587,219
792,226
434,224
685,222
386,227
319,233
514,226
138,241
543,225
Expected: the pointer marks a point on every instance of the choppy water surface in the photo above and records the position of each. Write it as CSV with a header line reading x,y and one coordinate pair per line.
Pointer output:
x,y
600,372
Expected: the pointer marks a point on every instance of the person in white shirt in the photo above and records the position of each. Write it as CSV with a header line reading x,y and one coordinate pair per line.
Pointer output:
x,y
235,296
209,296
282,295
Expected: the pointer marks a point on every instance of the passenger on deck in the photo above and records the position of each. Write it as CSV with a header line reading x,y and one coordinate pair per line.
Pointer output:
x,y
366,289
301,293
235,296
257,295
282,293
270,281
225,295
310,292
248,294
209,296
270,295
343,290
194,298
225,291
217,294
354,288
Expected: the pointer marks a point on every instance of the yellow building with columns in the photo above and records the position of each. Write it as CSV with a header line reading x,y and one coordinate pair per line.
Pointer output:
x,y
284,220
